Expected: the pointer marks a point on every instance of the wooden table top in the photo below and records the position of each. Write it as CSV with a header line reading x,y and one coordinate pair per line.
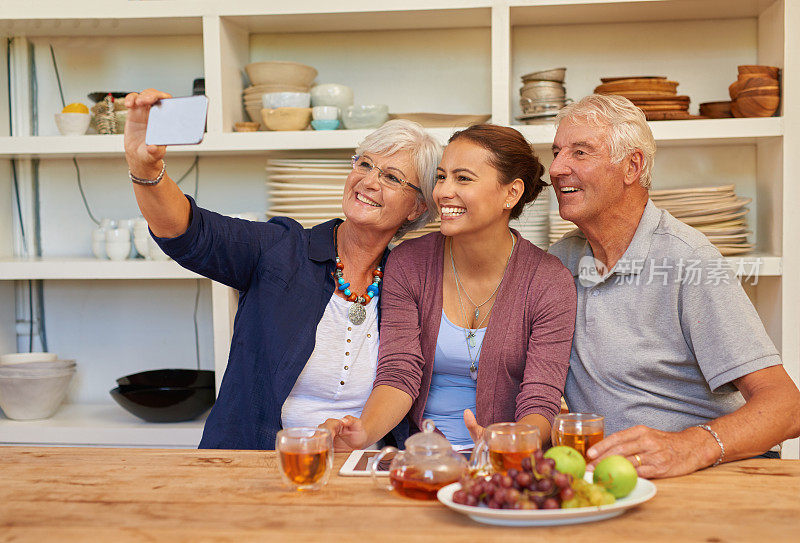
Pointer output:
x,y
79,494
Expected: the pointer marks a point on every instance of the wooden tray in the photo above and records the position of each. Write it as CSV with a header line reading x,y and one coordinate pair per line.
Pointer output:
x,y
670,116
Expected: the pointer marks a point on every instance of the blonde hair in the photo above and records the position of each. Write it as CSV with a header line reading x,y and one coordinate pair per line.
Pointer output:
x,y
426,152
628,128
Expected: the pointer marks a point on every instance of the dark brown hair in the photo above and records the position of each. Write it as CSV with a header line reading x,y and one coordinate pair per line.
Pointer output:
x,y
512,157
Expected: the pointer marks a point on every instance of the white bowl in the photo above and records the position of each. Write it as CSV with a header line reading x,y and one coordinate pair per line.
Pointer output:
x,y
31,398
99,249
155,252
22,358
118,250
72,124
332,94
325,113
142,244
367,116
275,100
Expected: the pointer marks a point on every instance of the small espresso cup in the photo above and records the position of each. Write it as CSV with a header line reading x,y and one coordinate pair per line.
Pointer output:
x,y
306,456
325,113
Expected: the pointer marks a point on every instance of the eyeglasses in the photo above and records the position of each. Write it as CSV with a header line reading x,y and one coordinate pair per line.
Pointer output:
x,y
364,165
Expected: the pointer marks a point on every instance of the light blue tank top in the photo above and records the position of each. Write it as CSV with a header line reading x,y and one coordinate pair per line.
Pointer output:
x,y
452,389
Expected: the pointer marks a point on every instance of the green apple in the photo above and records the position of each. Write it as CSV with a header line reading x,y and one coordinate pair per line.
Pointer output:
x,y
616,474
567,460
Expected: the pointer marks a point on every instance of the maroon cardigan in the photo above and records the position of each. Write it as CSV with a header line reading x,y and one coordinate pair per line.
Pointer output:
x,y
525,355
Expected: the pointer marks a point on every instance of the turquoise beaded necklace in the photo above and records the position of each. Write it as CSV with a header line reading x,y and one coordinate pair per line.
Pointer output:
x,y
357,313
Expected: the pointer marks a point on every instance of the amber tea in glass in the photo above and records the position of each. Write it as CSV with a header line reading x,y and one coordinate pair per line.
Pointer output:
x,y
578,430
504,445
306,456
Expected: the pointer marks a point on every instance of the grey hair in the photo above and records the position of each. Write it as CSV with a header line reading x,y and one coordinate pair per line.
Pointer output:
x,y
426,152
628,128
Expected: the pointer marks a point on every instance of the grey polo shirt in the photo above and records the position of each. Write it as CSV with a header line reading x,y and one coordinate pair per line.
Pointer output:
x,y
660,337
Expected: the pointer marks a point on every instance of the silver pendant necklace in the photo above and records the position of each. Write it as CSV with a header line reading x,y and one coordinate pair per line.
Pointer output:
x,y
357,313
469,334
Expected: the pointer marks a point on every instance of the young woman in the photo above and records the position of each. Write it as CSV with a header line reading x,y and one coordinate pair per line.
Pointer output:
x,y
475,318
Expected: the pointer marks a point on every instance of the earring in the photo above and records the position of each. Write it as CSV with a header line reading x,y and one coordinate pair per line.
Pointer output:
x,y
508,205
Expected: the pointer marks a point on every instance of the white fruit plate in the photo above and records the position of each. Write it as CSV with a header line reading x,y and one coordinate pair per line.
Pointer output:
x,y
643,491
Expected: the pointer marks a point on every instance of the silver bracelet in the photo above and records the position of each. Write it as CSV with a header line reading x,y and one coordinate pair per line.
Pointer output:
x,y
708,429
149,182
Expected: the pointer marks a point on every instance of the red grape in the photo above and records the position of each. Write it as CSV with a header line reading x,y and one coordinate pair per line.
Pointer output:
x,y
524,479
551,503
527,465
567,493
460,496
538,454
545,485
562,480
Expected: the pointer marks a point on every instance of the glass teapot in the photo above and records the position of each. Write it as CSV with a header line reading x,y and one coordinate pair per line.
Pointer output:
x,y
427,464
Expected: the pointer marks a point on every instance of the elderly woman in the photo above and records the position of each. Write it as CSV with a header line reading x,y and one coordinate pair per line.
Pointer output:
x,y
303,350
478,321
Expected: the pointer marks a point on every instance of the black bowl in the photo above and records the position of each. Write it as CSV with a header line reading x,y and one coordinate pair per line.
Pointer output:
x,y
98,96
165,404
170,378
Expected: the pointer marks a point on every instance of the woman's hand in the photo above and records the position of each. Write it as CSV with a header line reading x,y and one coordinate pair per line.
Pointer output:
x,y
143,160
348,433
475,429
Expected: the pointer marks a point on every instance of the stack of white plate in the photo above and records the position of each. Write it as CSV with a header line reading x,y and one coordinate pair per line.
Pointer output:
x,y
307,190
534,223
716,211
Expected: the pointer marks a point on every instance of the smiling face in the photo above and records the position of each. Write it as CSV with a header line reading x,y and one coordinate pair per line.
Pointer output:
x,y
585,180
468,192
368,203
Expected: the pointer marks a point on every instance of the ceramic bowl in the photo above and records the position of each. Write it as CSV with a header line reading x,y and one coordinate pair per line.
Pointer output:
x,y
554,74
286,118
165,404
72,124
21,358
325,124
35,396
274,100
169,378
154,251
118,250
325,113
366,116
280,73
41,367
332,94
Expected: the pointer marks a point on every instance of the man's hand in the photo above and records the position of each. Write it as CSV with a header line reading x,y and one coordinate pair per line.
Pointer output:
x,y
657,454
475,429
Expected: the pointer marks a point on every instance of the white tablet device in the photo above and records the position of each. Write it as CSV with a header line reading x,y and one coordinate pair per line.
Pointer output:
x,y
177,121
359,462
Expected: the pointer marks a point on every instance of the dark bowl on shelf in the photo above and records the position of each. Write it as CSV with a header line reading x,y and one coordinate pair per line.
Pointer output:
x,y
98,96
170,378
165,404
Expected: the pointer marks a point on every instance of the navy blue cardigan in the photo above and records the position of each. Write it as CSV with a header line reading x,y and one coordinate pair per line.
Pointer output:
x,y
283,274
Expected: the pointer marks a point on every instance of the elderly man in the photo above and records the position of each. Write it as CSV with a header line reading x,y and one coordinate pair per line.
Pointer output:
x,y
667,345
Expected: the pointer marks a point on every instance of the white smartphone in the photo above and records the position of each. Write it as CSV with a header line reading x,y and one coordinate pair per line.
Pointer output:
x,y
177,121
359,463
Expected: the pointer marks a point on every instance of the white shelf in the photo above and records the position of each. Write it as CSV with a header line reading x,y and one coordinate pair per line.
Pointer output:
x,y
100,424
693,132
91,268
559,12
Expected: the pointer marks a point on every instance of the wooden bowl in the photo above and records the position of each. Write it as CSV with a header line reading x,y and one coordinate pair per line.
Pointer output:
x,y
760,91
757,106
757,82
770,71
246,127
716,110
627,85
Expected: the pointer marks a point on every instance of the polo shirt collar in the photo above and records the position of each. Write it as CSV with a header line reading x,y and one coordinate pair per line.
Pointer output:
x,y
320,241
632,260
